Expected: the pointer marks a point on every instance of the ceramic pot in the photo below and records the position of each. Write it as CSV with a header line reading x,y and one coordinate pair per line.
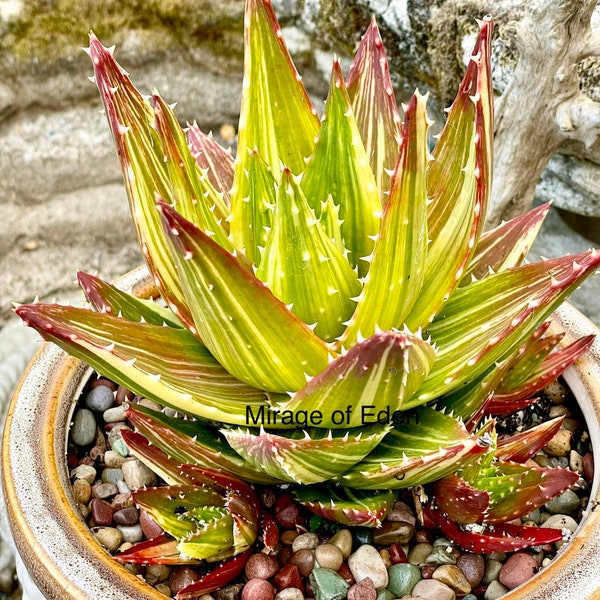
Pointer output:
x,y
64,561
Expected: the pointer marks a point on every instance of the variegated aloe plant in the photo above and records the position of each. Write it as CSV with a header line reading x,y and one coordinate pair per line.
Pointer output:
x,y
334,317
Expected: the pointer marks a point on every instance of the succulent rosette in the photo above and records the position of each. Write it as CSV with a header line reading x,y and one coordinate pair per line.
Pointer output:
x,y
333,315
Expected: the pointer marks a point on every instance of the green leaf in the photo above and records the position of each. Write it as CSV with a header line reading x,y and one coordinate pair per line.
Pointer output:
x,y
375,108
423,446
506,245
139,148
194,442
303,267
397,269
193,194
339,168
459,180
364,508
276,119
304,456
107,298
184,376
374,379
250,332
488,320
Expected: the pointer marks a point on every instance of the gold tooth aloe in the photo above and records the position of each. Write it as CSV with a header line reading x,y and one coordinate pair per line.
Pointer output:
x,y
335,313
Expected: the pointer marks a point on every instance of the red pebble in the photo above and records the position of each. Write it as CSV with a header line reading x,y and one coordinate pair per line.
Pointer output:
x,y
181,577
150,527
258,589
102,512
427,571
287,512
397,555
588,467
346,573
288,577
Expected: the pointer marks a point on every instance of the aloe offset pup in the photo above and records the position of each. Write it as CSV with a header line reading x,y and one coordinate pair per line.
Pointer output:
x,y
334,316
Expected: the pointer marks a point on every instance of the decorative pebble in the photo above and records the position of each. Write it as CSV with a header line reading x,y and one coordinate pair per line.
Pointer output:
x,y
104,491
82,491
472,567
329,556
131,533
453,577
328,585
99,398
442,555
402,512
122,501
495,590
128,515
343,540
288,577
386,595
432,589
120,447
230,592
418,554
402,579
102,512
566,503
393,532
112,476
261,566
305,541
288,536
588,466
258,589
520,567
366,562
109,537
85,472
304,560
576,462
397,554
290,593
561,522
115,434
149,526
115,414
492,570
83,430
287,512
181,577
157,573
113,460
560,444
137,475
363,590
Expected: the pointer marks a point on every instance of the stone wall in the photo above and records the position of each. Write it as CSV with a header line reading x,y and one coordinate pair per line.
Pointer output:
x,y
62,206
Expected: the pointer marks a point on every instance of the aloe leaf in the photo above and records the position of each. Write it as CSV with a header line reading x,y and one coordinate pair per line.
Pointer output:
x,y
459,500
250,332
422,447
131,119
506,245
489,319
535,487
522,446
373,380
549,370
503,537
459,180
304,456
339,168
276,119
185,376
214,161
193,442
399,257
192,192
347,506
107,298
375,108
302,266
161,550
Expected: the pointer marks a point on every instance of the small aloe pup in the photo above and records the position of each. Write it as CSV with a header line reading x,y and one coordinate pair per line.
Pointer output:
x,y
333,315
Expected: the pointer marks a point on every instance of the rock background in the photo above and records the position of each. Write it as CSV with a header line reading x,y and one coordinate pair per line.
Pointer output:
x,y
62,206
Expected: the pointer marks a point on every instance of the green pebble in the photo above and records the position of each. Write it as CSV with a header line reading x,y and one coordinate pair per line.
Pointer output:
x,y
470,597
328,585
403,578
112,475
119,446
385,595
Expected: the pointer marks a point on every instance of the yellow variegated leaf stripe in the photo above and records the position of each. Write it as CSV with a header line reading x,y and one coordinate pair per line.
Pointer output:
x,y
248,330
193,195
375,108
184,375
339,168
276,119
305,456
423,447
398,264
372,380
302,266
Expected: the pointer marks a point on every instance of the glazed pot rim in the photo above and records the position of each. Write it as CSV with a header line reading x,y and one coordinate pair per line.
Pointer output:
x,y
64,559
